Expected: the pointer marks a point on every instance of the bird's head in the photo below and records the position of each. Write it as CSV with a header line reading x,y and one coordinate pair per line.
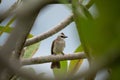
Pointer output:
x,y
62,36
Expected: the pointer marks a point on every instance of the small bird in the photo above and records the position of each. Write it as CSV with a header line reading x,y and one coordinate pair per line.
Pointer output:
x,y
57,48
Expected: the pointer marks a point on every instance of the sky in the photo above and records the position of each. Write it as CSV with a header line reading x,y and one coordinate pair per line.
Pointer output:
x,y
48,18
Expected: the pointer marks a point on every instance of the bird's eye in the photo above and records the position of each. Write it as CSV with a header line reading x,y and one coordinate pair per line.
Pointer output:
x,y
62,36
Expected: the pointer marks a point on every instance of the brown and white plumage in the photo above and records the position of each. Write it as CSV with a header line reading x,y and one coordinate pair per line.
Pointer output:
x,y
58,46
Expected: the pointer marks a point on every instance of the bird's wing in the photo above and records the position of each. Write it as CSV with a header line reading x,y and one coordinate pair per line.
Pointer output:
x,y
52,47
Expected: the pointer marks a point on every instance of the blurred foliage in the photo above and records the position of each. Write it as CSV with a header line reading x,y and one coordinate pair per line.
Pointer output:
x,y
75,64
65,1
30,70
9,29
100,37
25,69
7,26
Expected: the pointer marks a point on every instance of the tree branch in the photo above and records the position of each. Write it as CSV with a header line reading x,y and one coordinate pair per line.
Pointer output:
x,y
52,58
49,33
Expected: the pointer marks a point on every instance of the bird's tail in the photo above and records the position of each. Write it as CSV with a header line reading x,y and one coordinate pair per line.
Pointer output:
x,y
55,65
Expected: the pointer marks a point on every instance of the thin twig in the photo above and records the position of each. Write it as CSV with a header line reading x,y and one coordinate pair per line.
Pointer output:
x,y
51,58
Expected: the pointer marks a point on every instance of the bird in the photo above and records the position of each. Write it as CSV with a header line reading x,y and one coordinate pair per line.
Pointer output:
x,y
57,48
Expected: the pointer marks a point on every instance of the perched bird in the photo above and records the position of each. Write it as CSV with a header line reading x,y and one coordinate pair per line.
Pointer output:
x,y
57,48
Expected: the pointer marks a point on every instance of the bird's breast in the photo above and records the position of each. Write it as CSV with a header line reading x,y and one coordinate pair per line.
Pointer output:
x,y
59,46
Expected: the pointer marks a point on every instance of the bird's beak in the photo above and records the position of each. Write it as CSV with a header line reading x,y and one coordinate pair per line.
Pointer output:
x,y
65,37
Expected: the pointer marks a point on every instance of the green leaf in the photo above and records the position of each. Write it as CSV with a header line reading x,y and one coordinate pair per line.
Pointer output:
x,y
62,72
75,64
30,36
7,30
31,50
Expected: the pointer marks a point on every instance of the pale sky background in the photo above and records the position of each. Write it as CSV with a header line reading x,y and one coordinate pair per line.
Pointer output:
x,y
48,18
